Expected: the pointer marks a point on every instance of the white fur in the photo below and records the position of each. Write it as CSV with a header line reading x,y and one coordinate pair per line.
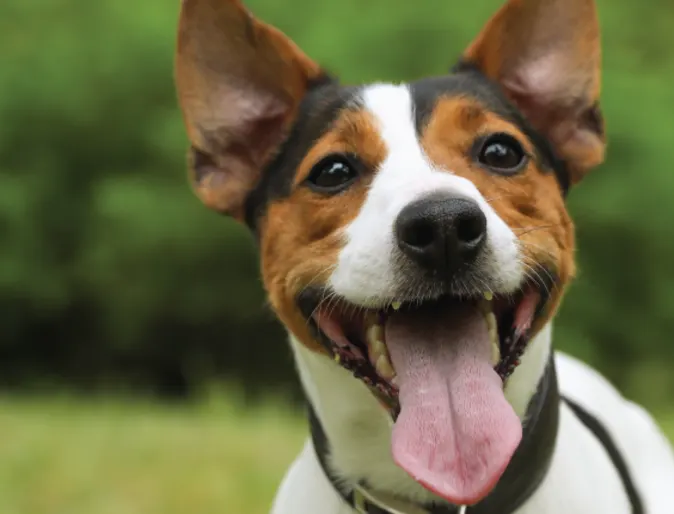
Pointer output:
x,y
359,429
364,272
581,480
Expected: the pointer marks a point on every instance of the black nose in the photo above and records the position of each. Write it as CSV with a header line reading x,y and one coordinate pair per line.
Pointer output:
x,y
442,233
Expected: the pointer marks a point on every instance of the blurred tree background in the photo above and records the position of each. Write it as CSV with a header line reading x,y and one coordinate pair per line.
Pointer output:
x,y
112,274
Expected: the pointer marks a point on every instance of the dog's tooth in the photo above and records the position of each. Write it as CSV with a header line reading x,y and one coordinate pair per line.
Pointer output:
x,y
492,329
490,318
495,353
488,295
378,349
384,367
396,305
375,333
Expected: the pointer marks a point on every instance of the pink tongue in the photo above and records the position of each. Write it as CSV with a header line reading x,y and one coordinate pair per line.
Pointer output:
x,y
456,432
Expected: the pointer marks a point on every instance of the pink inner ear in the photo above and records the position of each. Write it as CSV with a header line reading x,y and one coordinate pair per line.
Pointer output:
x,y
232,108
243,124
539,78
246,104
553,95
243,102
550,80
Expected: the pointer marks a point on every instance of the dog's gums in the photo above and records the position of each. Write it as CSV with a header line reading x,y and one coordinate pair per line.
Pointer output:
x,y
356,336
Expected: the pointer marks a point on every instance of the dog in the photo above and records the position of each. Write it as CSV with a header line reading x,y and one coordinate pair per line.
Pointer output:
x,y
414,240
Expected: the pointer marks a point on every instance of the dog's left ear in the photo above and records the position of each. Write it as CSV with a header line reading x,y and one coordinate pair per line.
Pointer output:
x,y
546,55
240,82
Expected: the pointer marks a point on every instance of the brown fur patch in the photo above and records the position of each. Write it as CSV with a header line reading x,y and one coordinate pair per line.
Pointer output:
x,y
301,235
530,202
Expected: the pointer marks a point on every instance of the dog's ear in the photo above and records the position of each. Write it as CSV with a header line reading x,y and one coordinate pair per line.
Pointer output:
x,y
546,55
239,84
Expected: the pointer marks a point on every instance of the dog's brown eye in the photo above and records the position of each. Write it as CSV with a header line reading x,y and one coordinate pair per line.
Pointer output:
x,y
501,153
333,174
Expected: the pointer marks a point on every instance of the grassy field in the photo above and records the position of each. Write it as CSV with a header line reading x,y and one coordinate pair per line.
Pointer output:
x,y
65,456
60,456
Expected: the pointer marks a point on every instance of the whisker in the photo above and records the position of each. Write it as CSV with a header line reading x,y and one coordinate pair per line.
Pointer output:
x,y
531,245
326,296
534,272
316,277
484,285
533,275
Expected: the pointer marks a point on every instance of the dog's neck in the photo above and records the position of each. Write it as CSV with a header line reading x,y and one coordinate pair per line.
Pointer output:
x,y
359,430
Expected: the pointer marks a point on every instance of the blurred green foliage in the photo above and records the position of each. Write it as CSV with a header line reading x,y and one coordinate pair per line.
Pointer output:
x,y
112,273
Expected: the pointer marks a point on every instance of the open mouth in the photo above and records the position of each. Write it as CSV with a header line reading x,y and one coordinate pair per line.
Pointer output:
x,y
439,367
357,338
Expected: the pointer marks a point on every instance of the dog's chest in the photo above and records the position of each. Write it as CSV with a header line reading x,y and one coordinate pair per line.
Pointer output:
x,y
581,479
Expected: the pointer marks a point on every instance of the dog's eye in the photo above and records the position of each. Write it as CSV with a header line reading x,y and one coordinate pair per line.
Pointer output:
x,y
501,153
333,174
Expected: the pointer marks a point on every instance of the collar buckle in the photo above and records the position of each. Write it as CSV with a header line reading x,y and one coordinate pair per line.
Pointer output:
x,y
359,502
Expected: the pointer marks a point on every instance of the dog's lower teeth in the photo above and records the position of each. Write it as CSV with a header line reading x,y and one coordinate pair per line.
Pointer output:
x,y
396,305
492,328
379,357
488,295
495,353
384,367
379,348
490,318
374,335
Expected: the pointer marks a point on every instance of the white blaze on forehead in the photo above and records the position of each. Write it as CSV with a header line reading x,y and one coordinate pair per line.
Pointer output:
x,y
365,268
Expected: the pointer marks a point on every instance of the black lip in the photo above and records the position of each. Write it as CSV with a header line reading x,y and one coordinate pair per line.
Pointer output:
x,y
308,301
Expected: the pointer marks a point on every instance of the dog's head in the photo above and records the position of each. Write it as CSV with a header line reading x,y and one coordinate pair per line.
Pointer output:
x,y
416,233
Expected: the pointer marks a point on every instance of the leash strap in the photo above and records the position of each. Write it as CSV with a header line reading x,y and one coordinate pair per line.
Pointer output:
x,y
605,439
517,484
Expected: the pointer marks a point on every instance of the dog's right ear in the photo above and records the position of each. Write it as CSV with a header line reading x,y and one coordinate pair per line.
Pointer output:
x,y
239,84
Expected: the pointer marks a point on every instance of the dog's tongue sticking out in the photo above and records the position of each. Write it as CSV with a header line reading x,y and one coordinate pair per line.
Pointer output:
x,y
456,432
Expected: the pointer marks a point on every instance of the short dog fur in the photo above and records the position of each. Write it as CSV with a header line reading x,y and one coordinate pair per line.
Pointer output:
x,y
386,211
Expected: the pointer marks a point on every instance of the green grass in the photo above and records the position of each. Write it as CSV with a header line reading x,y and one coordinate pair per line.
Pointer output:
x,y
67,456
60,456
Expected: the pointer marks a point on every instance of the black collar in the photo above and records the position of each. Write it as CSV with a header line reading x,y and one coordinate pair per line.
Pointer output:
x,y
524,474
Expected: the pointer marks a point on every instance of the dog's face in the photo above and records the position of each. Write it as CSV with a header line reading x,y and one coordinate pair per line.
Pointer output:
x,y
396,220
